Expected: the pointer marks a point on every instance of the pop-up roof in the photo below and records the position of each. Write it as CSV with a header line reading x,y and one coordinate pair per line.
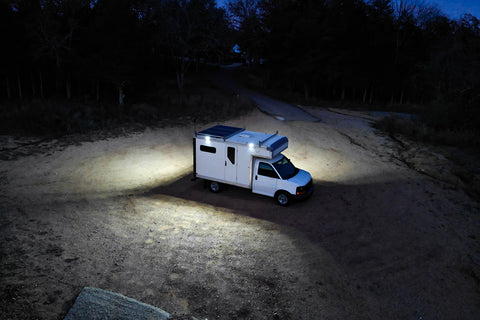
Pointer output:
x,y
271,144
269,141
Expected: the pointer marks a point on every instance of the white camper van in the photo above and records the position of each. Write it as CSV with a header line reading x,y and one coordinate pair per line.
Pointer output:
x,y
253,160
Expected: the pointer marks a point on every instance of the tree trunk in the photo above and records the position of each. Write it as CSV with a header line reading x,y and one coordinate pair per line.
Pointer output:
x,y
34,92
371,95
41,84
19,84
58,74
9,93
397,49
180,79
401,97
97,91
68,88
365,95
292,83
121,95
305,88
180,72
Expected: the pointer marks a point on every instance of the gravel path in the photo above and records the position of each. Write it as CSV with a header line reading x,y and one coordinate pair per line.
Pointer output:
x,y
377,240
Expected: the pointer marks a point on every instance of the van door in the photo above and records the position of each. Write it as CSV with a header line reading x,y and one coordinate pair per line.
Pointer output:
x,y
265,179
231,159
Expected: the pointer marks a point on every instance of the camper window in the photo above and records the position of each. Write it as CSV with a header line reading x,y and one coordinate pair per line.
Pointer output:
x,y
264,169
231,154
208,149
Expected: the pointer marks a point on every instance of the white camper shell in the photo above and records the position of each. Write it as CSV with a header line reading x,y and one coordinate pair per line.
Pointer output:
x,y
253,160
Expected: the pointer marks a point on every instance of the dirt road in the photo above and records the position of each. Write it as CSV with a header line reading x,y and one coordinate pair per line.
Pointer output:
x,y
377,240
280,110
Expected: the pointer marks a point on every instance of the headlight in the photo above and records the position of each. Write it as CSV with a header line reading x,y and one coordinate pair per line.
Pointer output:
x,y
304,189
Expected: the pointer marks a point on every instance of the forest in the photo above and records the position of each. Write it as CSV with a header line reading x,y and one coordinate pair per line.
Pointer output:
x,y
368,53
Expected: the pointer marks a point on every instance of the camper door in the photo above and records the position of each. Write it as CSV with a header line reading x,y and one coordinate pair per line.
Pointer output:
x,y
231,159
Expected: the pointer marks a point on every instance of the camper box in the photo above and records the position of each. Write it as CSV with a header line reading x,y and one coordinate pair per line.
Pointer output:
x,y
230,155
225,154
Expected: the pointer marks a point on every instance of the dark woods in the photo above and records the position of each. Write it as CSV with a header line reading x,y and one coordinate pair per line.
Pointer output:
x,y
367,52
77,47
371,52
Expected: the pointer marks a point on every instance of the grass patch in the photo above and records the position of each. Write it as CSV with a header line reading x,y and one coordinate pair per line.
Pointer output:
x,y
165,107
460,146
419,131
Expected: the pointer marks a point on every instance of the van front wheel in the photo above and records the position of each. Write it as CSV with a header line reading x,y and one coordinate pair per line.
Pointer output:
x,y
282,198
214,186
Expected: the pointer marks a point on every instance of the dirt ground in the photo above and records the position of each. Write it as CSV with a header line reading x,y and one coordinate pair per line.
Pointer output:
x,y
379,238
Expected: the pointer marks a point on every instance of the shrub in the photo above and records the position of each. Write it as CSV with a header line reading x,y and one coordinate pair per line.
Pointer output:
x,y
421,131
58,117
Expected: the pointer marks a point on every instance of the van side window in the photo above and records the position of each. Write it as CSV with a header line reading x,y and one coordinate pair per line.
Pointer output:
x,y
231,154
208,149
264,169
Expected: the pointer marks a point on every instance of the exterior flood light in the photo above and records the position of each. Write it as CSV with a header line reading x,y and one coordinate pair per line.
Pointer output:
x,y
250,146
207,139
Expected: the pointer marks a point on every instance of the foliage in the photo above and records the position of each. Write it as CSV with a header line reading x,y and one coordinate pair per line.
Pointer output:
x,y
245,19
376,52
105,49
420,131
196,103
372,52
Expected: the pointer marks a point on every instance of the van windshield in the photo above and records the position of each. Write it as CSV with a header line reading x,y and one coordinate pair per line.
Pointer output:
x,y
285,168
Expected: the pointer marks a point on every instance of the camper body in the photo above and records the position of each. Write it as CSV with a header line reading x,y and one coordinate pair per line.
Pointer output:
x,y
253,160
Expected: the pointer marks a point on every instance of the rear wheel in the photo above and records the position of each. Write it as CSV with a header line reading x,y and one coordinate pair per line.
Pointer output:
x,y
282,198
214,186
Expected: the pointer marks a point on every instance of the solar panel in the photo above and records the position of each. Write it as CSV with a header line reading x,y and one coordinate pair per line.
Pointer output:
x,y
221,131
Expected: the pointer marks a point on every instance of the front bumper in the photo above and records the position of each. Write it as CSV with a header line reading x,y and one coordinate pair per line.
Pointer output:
x,y
304,195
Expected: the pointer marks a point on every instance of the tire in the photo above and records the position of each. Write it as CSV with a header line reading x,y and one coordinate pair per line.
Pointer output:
x,y
214,186
282,198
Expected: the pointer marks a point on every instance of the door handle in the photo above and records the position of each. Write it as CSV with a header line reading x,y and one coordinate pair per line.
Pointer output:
x,y
225,163
256,177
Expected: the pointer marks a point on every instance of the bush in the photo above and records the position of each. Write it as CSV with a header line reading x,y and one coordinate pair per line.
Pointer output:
x,y
44,117
421,131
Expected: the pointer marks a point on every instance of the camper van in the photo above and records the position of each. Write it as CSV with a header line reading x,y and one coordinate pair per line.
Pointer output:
x,y
253,160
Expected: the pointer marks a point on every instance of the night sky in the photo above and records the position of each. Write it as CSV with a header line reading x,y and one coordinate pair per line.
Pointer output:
x,y
453,9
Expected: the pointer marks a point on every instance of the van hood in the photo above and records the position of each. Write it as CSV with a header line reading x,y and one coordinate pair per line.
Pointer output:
x,y
301,178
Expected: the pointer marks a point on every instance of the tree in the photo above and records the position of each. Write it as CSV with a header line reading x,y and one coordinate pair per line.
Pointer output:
x,y
245,17
116,44
54,26
188,30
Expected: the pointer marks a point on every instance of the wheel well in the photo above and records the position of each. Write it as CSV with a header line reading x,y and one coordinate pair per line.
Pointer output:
x,y
282,191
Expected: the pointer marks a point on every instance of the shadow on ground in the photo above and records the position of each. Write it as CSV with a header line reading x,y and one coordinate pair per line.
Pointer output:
x,y
399,250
